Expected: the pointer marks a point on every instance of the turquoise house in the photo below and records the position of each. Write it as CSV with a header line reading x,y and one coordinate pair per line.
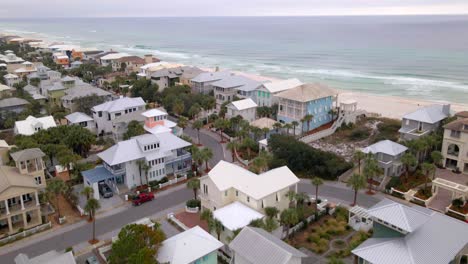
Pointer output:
x,y
316,100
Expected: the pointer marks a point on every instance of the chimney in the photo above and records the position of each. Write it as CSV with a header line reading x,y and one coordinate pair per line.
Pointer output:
x,y
148,58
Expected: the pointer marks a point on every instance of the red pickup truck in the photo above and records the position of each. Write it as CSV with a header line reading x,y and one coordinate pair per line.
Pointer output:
x,y
142,198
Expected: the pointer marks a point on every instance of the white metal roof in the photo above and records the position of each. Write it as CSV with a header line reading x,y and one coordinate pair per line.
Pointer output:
x,y
10,76
78,117
227,175
238,82
119,104
51,257
4,88
263,122
385,146
26,127
260,247
187,247
243,104
308,92
236,215
154,112
429,114
283,85
211,76
115,56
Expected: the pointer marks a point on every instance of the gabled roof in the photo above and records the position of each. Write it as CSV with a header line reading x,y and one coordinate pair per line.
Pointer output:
x,y
263,122
307,92
130,149
260,247
227,175
10,76
386,147
239,82
279,86
115,56
243,104
78,117
83,91
437,239
429,114
12,101
119,104
211,76
236,215
26,127
4,88
187,247
27,154
10,177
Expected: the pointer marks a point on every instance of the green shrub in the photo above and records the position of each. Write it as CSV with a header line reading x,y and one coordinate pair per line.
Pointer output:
x,y
193,203
394,182
359,133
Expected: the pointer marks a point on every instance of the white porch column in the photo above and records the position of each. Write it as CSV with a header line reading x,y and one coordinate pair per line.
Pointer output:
x,y
22,202
25,220
295,188
6,207
37,198
10,225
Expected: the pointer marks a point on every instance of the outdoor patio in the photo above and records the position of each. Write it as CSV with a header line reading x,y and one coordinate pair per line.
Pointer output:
x,y
443,197
191,220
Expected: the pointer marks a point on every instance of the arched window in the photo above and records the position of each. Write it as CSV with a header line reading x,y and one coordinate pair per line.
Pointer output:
x,y
453,150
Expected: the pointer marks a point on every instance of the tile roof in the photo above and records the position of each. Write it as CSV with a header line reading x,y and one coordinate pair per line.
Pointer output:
x,y
462,114
458,125
133,59
308,92
260,247
385,146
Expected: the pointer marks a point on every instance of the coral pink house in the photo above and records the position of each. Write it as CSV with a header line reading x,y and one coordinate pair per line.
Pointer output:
x,y
156,122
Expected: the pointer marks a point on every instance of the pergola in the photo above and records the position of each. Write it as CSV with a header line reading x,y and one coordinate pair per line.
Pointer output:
x,y
359,218
458,190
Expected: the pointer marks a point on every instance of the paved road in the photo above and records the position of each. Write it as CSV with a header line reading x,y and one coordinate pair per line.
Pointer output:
x,y
103,225
207,141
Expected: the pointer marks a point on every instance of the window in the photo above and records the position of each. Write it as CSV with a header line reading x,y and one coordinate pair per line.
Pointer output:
x,y
263,205
38,180
237,193
277,197
248,199
225,193
100,114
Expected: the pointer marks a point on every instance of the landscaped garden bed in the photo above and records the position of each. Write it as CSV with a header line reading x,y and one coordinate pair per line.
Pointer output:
x,y
351,243
404,184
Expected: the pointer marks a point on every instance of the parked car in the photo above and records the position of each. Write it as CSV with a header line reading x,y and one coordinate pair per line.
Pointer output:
x,y
104,190
92,260
321,201
142,198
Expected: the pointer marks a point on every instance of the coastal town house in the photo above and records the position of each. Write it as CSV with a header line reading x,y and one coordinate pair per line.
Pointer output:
x,y
413,235
202,83
388,155
44,73
11,79
81,119
112,57
12,104
455,143
32,125
128,64
19,191
255,245
233,86
265,94
423,121
25,69
54,88
164,154
172,76
70,99
156,122
105,113
10,58
245,108
314,100
191,246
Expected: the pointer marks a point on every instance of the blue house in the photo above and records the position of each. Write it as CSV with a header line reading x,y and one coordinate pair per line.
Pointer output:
x,y
307,99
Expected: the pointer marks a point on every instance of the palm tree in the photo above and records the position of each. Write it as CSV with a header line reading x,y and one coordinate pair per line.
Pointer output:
x,y
183,121
288,126
271,211
249,144
316,181
294,124
307,118
291,196
277,126
359,156
408,160
91,206
55,188
300,198
194,184
146,167
198,125
427,169
141,163
232,147
87,192
260,163
356,182
206,155
265,131
288,218
221,125
371,169
213,224
437,157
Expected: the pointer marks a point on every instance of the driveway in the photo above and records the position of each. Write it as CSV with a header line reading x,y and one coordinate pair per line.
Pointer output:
x,y
106,203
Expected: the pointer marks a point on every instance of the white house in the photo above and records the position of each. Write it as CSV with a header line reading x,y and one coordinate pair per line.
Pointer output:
x,y
227,183
103,114
50,257
233,86
164,153
81,119
256,246
265,94
156,122
109,58
31,125
192,246
202,83
245,108
11,79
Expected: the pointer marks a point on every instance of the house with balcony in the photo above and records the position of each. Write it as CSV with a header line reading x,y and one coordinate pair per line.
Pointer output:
x,y
128,64
25,69
105,113
423,121
120,124
72,95
412,235
10,58
111,57
54,88
32,125
81,119
455,144
164,153
202,83
191,246
229,87
265,94
388,155
245,108
11,79
44,73
316,100
19,191
156,122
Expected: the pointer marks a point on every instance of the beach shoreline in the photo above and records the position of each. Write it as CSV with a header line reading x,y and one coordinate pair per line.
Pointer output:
x,y
384,105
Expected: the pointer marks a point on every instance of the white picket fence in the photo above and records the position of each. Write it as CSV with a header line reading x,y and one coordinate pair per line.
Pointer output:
x,y
26,233
173,181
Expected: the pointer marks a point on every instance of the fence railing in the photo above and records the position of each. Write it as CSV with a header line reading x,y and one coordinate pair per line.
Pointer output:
x,y
26,233
176,221
173,181
463,216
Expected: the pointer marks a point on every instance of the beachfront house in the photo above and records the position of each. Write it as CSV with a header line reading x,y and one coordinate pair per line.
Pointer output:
x,y
423,121
10,58
191,246
84,53
230,87
61,59
245,108
70,99
81,119
32,125
307,100
202,83
255,245
413,235
13,105
128,64
105,113
151,67
11,79
265,94
19,191
388,155
164,154
455,143
172,76
111,57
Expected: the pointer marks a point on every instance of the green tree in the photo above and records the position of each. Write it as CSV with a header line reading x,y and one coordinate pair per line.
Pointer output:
x,y
87,192
194,110
277,126
85,103
288,126
291,196
437,157
92,205
213,224
206,155
198,125
178,107
141,166
145,89
289,218
221,125
67,158
54,189
307,118
427,169
371,169
232,147
294,124
356,182
194,184
136,244
271,211
260,163
270,224
249,144
316,181
182,122
134,129
359,156
408,160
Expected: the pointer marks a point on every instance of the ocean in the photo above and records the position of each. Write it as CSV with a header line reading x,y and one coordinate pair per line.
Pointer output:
x,y
423,57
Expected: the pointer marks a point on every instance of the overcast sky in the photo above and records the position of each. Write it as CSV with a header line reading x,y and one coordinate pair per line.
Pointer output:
x,y
155,8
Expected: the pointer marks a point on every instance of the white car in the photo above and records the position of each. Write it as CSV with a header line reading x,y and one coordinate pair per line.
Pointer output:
x,y
323,201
